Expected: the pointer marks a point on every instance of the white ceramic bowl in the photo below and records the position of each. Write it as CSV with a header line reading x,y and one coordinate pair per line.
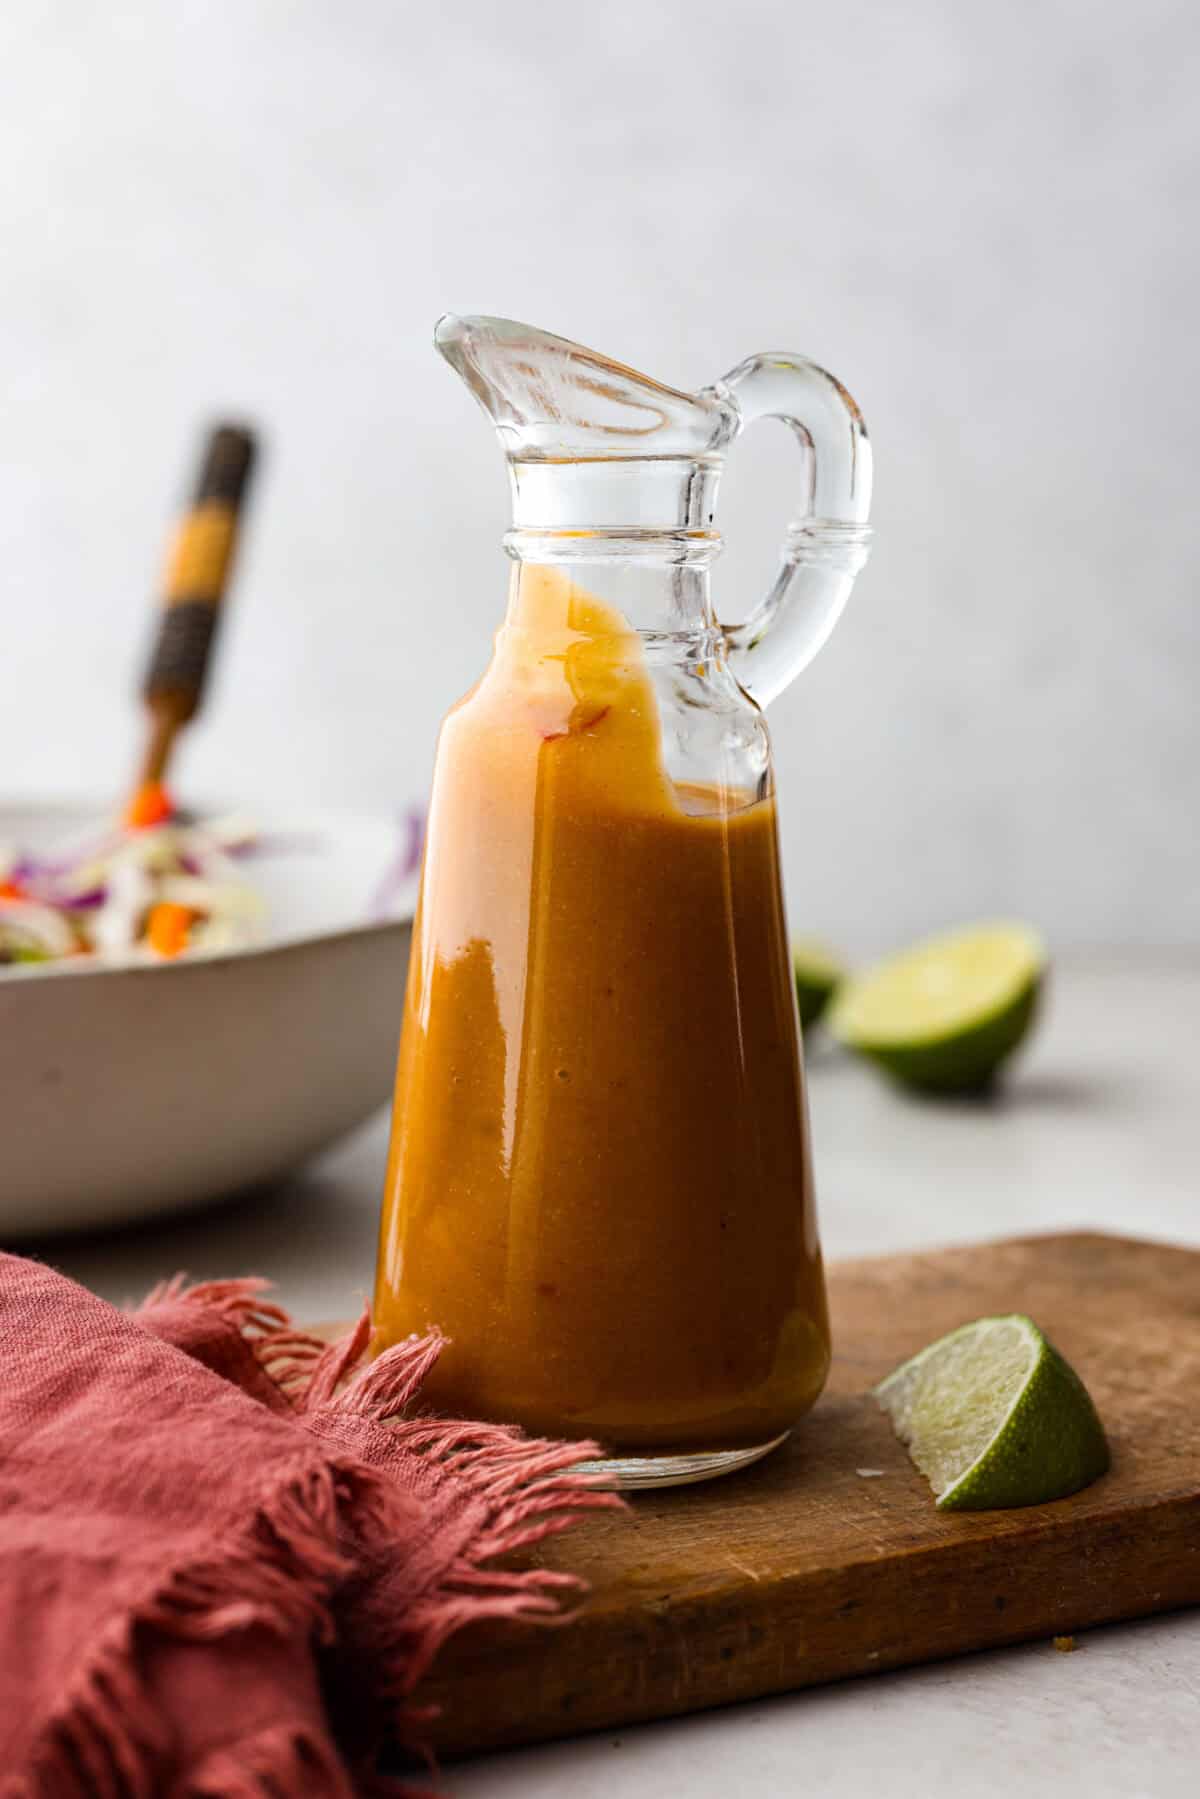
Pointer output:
x,y
126,1091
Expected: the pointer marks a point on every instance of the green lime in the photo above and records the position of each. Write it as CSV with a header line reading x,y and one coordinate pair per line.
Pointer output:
x,y
946,1014
818,975
993,1416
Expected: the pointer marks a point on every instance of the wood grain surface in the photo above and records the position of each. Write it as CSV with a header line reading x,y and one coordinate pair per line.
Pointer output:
x,y
803,1569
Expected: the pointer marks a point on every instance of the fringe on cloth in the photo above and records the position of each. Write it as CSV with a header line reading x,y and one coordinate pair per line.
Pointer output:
x,y
255,1330
510,1492
346,1523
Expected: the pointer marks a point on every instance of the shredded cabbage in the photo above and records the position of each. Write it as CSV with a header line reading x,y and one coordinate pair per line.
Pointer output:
x,y
99,899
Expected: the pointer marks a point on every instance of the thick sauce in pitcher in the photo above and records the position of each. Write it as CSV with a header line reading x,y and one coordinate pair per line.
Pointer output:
x,y
599,1181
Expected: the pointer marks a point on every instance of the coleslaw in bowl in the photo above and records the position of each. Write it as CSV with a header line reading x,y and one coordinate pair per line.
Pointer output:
x,y
133,894
133,1083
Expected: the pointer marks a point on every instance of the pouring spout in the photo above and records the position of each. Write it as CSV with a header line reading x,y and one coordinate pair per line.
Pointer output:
x,y
552,400
606,462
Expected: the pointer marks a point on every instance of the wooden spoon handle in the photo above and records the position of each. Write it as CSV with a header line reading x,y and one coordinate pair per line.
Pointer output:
x,y
196,579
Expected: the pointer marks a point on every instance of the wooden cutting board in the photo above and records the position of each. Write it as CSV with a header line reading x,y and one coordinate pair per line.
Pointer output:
x,y
802,1569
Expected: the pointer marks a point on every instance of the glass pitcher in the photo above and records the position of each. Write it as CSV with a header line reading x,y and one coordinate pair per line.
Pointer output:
x,y
599,1183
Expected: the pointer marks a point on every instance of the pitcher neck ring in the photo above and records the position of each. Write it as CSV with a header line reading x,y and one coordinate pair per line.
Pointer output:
x,y
657,549
628,495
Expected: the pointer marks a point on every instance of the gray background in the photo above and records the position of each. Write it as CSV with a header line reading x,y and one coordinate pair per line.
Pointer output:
x,y
982,218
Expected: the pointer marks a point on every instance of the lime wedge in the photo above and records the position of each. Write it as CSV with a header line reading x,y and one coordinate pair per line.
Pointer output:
x,y
818,973
993,1416
946,1014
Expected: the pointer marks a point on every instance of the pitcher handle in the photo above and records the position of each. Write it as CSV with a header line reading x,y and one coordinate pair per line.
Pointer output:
x,y
827,546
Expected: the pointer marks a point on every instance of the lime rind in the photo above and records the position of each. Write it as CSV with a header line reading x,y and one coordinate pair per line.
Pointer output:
x,y
995,1417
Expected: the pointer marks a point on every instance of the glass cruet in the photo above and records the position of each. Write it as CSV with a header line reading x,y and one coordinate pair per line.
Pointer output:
x,y
599,1182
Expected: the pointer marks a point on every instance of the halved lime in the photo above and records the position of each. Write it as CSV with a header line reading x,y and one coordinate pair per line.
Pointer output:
x,y
993,1416
818,974
946,1014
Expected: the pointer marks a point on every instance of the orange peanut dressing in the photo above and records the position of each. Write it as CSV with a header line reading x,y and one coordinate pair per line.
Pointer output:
x,y
599,1181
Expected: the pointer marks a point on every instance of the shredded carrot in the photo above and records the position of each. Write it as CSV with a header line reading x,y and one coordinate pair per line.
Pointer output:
x,y
150,805
168,927
11,890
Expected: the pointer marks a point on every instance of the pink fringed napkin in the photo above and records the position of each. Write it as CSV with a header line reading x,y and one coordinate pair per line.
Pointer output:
x,y
225,1559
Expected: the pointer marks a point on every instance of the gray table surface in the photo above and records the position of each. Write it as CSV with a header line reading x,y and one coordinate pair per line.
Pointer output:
x,y
1099,1127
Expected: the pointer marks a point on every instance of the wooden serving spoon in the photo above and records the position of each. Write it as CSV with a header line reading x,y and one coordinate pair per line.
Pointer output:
x,y
196,579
